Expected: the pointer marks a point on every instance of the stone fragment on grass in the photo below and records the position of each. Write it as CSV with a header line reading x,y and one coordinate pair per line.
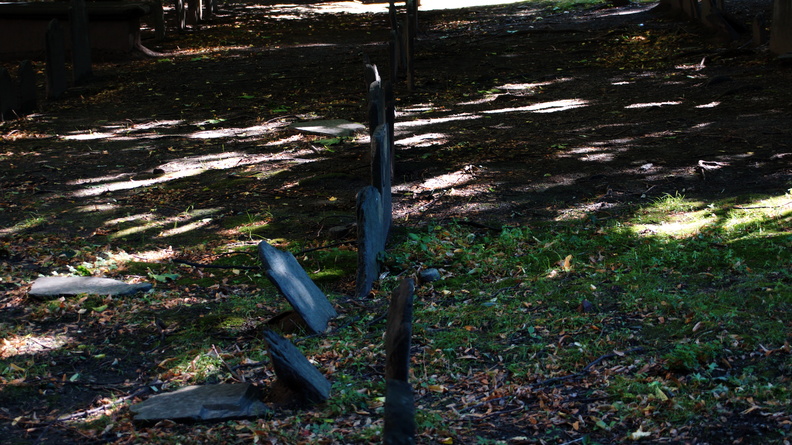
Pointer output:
x,y
56,286
295,371
205,402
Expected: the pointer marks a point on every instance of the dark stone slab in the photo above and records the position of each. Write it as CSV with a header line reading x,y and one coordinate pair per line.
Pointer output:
x,y
381,168
28,101
295,371
55,286
291,280
371,239
781,28
399,428
82,71
376,106
429,275
7,95
207,402
398,336
55,58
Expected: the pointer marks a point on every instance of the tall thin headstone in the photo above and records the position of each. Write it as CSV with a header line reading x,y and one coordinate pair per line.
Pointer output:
x,y
81,46
7,95
399,428
158,17
181,15
381,143
27,88
410,34
781,30
55,58
376,106
370,242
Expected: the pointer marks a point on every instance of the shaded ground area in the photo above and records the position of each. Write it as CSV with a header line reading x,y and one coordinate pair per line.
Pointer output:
x,y
520,114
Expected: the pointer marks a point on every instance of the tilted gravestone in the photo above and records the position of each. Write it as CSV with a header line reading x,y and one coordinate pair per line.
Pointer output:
x,y
291,280
7,95
55,58
781,30
370,239
381,168
205,402
27,88
295,371
81,46
399,404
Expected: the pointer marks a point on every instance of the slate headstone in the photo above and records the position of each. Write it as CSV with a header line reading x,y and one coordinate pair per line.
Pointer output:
x,y
371,239
398,336
27,88
291,280
376,106
400,426
295,371
381,160
81,46
205,402
55,58
7,95
781,28
56,286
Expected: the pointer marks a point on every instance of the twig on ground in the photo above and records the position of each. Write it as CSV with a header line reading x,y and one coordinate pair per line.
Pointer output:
x,y
214,266
329,246
587,368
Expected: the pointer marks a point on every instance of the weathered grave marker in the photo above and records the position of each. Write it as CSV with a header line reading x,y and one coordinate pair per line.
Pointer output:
x,y
399,404
295,371
27,88
370,75
781,30
81,46
55,58
381,145
205,402
371,239
376,106
760,34
55,286
7,95
291,280
158,19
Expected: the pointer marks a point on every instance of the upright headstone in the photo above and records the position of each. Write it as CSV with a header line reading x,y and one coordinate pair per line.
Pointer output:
x,y
291,280
376,106
194,12
27,88
399,428
55,59
781,30
158,18
370,240
760,34
381,144
7,95
81,46
295,371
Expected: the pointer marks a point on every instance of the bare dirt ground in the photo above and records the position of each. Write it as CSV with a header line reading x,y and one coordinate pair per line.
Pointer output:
x,y
520,113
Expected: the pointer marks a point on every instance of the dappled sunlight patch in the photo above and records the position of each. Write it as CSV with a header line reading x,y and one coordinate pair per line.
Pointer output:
x,y
423,140
653,104
98,189
678,225
436,120
184,222
709,105
96,208
31,344
449,180
544,107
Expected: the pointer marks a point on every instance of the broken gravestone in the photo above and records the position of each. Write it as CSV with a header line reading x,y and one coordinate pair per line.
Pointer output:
x,y
399,426
370,239
55,60
333,127
205,402
55,286
295,372
291,280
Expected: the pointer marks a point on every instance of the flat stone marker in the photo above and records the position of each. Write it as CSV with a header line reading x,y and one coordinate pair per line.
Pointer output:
x,y
7,95
81,46
332,127
27,88
398,336
295,371
370,239
55,58
291,280
205,402
399,428
55,286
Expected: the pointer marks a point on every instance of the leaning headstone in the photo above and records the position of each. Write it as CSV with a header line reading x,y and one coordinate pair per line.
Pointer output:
x,y
55,58
81,47
56,286
295,371
27,88
399,428
398,336
381,159
399,405
291,280
206,402
781,28
7,95
371,239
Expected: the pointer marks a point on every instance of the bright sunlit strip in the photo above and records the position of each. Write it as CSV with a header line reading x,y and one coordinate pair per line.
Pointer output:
x,y
545,107
653,104
709,105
